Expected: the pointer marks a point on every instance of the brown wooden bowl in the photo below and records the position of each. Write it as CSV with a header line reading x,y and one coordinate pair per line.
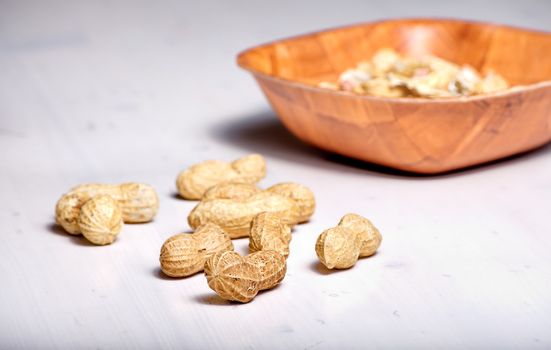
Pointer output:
x,y
413,134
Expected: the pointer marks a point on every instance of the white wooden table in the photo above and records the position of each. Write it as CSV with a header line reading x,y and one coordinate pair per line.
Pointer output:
x,y
114,92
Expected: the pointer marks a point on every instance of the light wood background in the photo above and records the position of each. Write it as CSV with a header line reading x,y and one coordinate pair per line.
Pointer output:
x,y
119,91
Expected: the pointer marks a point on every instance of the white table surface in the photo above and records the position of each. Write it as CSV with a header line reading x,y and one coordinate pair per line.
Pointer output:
x,y
101,91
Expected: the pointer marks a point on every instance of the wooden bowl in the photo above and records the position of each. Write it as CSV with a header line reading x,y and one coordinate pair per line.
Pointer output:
x,y
413,134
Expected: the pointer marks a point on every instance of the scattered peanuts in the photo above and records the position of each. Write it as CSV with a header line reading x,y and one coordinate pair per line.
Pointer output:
x,y
100,220
294,203
238,278
185,254
194,181
231,206
268,232
138,203
341,246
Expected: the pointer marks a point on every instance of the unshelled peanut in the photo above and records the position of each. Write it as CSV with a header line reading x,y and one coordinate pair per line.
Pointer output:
x,y
369,235
268,232
231,190
353,238
235,214
238,278
138,203
302,195
185,254
100,220
194,181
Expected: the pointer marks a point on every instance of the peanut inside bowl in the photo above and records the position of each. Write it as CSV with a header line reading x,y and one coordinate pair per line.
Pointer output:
x,y
389,74
518,55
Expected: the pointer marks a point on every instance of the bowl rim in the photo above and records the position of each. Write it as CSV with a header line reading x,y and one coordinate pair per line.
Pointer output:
x,y
514,90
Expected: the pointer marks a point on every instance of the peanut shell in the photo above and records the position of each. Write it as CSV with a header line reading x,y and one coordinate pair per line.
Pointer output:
x,y
100,220
193,182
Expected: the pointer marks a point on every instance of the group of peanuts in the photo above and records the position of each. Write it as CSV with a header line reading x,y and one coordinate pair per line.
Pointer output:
x,y
230,206
99,210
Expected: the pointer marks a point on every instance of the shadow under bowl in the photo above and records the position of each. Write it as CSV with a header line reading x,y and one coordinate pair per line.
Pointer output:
x,y
419,135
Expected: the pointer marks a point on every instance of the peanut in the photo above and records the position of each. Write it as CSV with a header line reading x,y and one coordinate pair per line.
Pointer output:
x,y
138,202
294,205
238,278
194,181
353,238
235,216
231,190
100,220
302,195
67,211
269,233
370,236
185,254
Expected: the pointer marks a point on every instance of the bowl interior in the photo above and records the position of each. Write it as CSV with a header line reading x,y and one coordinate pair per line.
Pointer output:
x,y
521,56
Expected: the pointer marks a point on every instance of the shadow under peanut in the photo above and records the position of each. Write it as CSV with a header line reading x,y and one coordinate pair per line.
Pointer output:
x,y
75,239
214,299
158,273
318,267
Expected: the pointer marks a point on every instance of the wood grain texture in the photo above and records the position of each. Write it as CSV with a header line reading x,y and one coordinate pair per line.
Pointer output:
x,y
418,135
